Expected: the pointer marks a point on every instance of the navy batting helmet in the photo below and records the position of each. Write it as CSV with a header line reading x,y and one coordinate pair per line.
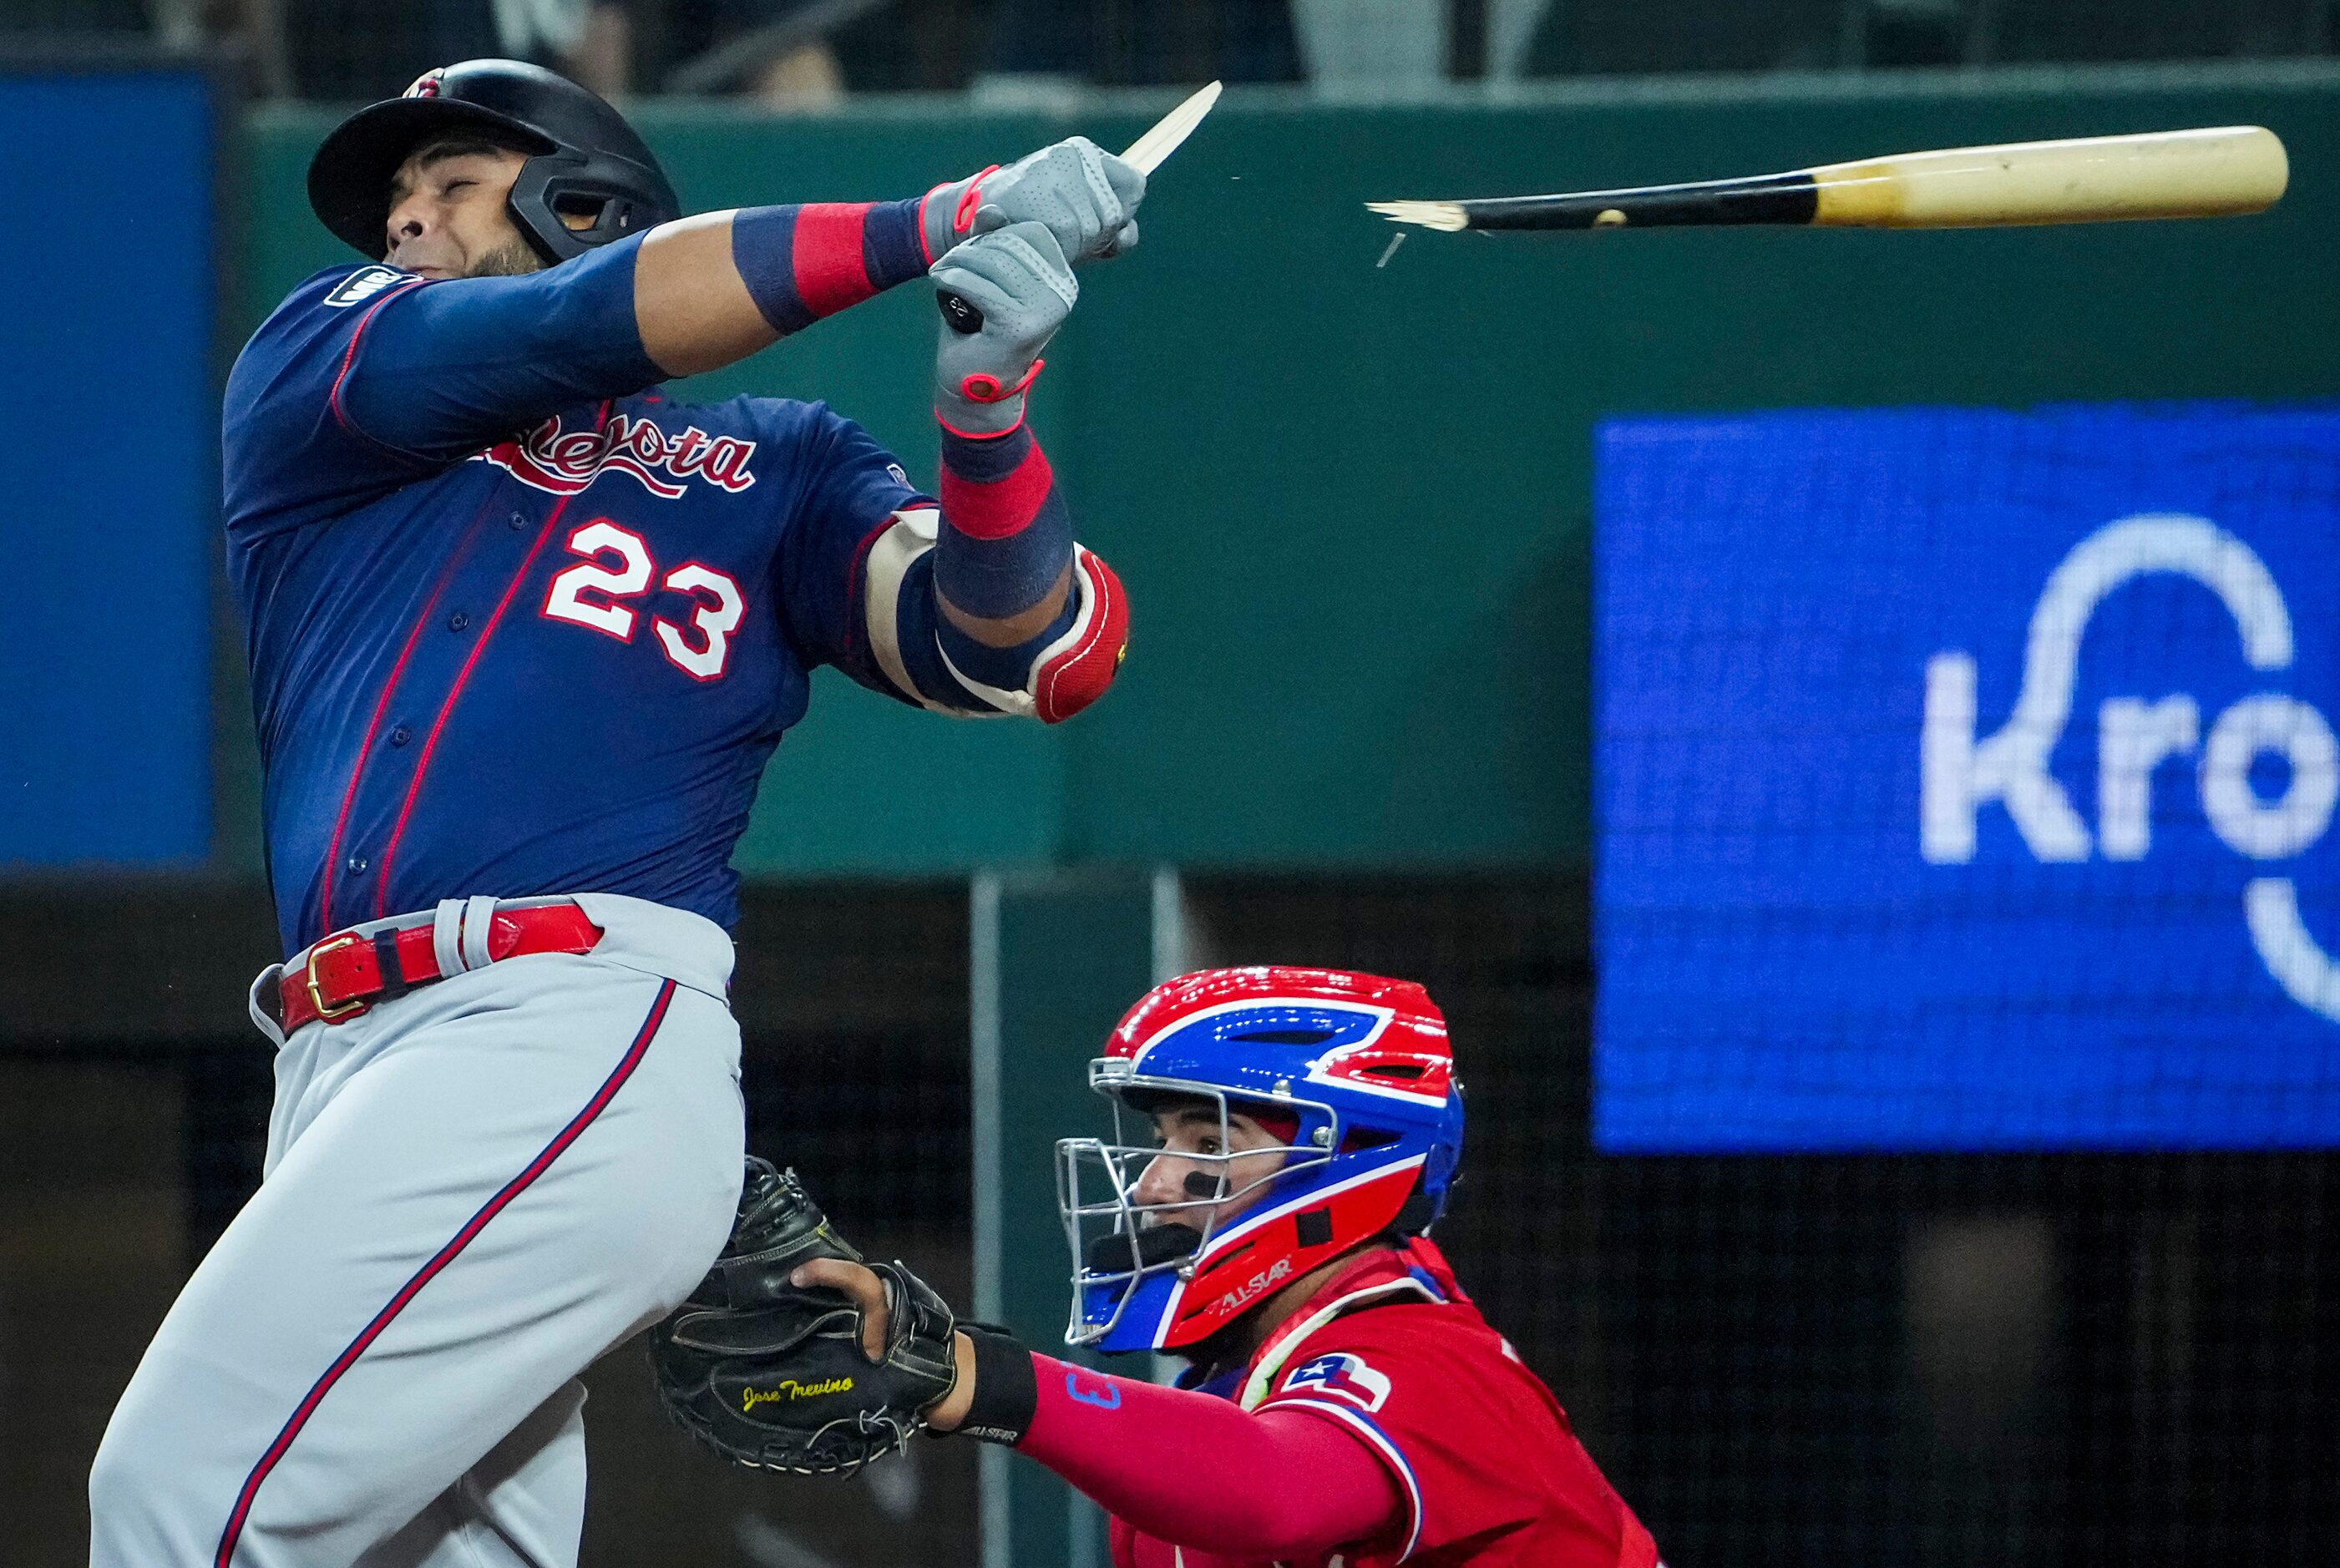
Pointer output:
x,y
584,161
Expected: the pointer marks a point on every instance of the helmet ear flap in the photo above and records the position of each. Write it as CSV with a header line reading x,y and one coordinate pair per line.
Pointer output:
x,y
557,185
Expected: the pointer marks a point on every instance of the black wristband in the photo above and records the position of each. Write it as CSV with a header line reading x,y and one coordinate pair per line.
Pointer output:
x,y
1006,1388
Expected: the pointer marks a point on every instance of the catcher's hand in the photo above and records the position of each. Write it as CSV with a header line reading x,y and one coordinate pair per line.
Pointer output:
x,y
781,1376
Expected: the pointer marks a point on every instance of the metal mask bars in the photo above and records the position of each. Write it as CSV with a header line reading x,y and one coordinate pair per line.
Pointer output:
x,y
1096,1186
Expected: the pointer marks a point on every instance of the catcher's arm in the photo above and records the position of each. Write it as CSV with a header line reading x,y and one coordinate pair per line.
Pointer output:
x,y
1183,1467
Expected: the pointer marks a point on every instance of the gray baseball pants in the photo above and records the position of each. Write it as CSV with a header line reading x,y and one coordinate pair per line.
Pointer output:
x,y
471,1192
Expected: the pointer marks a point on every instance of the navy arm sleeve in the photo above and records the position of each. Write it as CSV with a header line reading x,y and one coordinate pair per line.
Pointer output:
x,y
367,379
452,366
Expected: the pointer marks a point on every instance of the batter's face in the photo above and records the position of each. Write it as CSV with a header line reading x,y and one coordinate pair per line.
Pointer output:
x,y
1191,1128
448,218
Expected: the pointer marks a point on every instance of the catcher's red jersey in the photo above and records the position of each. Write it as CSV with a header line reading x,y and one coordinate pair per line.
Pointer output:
x,y
1482,1453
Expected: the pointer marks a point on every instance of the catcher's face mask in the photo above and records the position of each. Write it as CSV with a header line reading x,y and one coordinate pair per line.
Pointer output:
x,y
1184,1167
1265,1121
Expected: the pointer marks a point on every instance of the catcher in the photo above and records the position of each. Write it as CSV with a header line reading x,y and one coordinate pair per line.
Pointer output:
x,y
1344,1404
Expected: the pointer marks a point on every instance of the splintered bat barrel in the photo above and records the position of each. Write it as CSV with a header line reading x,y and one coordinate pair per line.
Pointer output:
x,y
2203,174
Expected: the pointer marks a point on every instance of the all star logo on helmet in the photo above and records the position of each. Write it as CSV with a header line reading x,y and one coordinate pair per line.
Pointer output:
x,y
425,86
1280,1271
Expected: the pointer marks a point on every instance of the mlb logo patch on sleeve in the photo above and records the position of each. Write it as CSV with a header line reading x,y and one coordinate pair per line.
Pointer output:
x,y
1343,1374
364,284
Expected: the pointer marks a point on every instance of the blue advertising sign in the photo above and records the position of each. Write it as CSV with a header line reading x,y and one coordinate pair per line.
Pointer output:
x,y
1965,780
110,520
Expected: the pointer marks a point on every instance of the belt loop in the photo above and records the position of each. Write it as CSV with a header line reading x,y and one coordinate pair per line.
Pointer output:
x,y
479,917
446,934
387,967
262,1020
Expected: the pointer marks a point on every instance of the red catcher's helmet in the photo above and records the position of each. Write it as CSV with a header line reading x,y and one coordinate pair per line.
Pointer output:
x,y
1357,1065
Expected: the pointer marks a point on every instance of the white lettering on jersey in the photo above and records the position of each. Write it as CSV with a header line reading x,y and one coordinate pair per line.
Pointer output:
x,y
715,621
583,594
618,566
364,284
566,462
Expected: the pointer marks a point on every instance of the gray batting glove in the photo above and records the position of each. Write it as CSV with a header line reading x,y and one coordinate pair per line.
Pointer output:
x,y
1018,279
1087,197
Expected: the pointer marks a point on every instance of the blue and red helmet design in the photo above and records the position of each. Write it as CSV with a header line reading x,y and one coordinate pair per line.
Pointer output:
x,y
1353,1071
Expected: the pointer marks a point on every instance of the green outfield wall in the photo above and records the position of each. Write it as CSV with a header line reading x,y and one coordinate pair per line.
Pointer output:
x,y
1351,499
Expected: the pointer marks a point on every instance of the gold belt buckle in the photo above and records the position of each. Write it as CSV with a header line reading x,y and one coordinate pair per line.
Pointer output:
x,y
316,997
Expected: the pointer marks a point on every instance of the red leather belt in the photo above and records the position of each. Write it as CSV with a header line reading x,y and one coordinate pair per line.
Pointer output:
x,y
346,973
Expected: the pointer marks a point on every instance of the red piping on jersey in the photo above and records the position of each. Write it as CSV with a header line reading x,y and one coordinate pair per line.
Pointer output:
x,y
349,354
463,676
429,1271
381,705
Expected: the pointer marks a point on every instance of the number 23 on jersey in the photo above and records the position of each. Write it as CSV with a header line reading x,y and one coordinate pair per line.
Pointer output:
x,y
618,567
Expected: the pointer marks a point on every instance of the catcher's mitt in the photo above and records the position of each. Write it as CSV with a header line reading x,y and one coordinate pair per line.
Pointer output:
x,y
771,1375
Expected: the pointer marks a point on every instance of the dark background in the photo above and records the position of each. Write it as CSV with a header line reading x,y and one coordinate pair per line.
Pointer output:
x,y
1937,1360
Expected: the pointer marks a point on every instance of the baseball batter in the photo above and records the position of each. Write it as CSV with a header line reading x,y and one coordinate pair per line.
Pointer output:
x,y
523,634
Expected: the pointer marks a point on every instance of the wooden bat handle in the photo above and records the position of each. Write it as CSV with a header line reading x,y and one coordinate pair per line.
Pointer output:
x,y
2203,174
1756,199
2089,179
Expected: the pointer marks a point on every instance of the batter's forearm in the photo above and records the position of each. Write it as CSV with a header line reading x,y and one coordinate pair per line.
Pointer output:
x,y
716,288
1004,555
1011,612
1027,619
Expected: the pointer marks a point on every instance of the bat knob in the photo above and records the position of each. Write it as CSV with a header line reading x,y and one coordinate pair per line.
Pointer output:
x,y
963,317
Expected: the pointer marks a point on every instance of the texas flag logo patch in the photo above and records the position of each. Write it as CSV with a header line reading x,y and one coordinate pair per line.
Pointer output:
x,y
1343,1376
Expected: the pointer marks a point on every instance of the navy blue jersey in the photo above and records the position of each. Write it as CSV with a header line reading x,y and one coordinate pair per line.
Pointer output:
x,y
508,657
